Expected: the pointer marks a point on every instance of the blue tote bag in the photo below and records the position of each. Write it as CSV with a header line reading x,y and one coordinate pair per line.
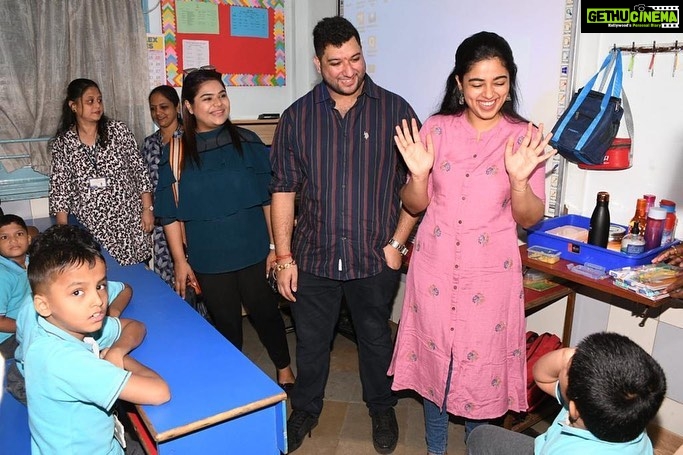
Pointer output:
x,y
586,129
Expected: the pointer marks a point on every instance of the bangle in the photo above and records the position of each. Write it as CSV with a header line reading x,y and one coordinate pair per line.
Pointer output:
x,y
284,256
271,246
287,265
526,187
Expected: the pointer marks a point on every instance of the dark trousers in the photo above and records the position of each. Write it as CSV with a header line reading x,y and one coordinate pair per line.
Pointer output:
x,y
224,295
315,313
493,440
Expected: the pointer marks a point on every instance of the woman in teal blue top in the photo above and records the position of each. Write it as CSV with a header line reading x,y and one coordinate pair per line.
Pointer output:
x,y
217,218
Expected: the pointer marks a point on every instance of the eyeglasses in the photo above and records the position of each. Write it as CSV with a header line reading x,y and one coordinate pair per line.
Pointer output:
x,y
205,67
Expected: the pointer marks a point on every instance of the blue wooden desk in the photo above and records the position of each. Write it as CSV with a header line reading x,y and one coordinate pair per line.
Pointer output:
x,y
15,437
221,402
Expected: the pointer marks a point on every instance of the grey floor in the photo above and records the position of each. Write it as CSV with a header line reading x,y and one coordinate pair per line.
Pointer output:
x,y
344,426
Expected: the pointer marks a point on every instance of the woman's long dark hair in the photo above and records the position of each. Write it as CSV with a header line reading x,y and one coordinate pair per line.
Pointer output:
x,y
191,84
478,47
74,91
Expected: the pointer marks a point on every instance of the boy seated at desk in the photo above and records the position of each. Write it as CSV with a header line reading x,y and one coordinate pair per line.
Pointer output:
x,y
14,287
76,359
119,295
609,389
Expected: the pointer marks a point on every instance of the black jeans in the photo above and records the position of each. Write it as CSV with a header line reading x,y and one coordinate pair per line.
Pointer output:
x,y
224,295
315,313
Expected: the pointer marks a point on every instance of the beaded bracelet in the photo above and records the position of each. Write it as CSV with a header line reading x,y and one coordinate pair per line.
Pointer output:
x,y
280,267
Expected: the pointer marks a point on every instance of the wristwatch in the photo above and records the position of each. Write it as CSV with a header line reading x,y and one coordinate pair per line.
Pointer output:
x,y
399,246
150,208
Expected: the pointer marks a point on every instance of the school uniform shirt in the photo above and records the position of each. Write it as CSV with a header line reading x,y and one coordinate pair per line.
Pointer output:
x,y
464,298
101,187
71,391
348,174
563,439
14,289
27,319
221,201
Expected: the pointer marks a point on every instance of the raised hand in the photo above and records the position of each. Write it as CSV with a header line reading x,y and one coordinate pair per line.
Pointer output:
x,y
520,163
418,159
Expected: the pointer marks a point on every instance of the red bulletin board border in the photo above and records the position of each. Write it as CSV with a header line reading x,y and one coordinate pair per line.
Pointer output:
x,y
243,61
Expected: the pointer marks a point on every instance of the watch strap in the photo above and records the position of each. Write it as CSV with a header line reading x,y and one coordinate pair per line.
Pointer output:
x,y
399,246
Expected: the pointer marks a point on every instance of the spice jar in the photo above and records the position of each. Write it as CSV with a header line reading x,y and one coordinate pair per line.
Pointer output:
x,y
616,234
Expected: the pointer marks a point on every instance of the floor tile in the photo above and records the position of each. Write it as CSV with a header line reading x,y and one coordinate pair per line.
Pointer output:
x,y
345,425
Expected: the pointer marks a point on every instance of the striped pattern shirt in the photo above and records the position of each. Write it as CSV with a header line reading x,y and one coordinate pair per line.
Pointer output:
x,y
347,172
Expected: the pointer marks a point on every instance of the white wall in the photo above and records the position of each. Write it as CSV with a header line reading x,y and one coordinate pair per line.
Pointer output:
x,y
656,101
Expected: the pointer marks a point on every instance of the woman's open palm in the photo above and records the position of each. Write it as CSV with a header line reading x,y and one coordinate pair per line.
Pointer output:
x,y
418,159
530,153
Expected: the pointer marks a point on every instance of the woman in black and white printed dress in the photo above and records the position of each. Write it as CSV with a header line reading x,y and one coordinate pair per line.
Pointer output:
x,y
98,175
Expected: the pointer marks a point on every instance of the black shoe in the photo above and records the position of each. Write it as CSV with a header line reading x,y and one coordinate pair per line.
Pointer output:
x,y
298,424
384,431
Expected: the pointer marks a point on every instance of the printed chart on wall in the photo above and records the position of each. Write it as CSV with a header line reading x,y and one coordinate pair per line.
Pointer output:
x,y
242,39
415,57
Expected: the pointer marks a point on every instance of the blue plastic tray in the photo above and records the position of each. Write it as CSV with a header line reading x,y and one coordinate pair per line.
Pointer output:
x,y
583,253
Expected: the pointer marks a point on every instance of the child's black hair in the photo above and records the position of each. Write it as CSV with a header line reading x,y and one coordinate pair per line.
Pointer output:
x,y
617,386
10,218
57,249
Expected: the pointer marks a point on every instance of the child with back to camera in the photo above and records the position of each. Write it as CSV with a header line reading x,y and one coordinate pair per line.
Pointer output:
x,y
609,388
76,359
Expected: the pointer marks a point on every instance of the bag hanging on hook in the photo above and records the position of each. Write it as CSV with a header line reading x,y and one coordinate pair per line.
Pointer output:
x,y
587,128
619,155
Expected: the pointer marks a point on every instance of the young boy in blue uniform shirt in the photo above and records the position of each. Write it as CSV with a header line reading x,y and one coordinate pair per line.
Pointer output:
x,y
119,295
609,388
76,359
14,287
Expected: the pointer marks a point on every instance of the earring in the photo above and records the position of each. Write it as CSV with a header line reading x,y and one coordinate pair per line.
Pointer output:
x,y
461,99
508,98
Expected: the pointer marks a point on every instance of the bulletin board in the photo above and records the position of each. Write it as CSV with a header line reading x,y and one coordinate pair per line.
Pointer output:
x,y
244,39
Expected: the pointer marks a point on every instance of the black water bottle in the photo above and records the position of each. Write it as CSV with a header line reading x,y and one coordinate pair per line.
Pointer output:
x,y
598,233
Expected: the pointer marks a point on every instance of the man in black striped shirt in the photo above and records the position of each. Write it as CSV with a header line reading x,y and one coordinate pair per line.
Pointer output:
x,y
334,147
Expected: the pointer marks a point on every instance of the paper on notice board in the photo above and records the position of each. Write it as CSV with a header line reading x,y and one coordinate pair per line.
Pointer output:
x,y
195,53
197,17
157,60
249,22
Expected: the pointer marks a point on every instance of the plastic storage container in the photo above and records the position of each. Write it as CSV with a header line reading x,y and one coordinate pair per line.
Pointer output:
x,y
543,254
581,252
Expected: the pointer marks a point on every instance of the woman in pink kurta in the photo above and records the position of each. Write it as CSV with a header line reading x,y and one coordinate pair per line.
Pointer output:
x,y
477,168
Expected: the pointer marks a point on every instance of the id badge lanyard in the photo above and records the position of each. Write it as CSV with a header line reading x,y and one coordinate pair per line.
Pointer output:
x,y
98,182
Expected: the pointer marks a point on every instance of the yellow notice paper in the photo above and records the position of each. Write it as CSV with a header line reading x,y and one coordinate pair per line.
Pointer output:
x,y
197,17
